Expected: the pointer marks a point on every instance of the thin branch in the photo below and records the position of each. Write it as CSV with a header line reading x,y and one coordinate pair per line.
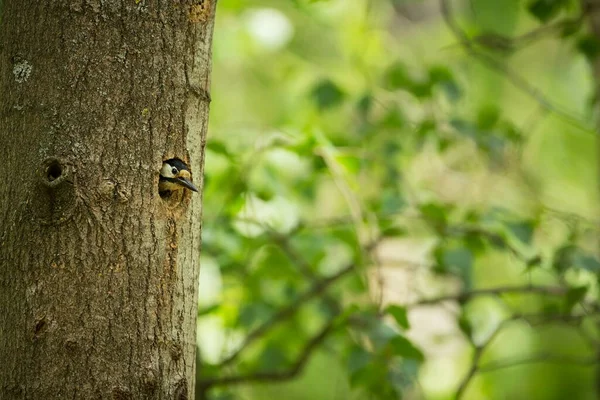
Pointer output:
x,y
287,312
283,242
296,368
305,268
540,358
497,291
479,350
496,41
475,359
518,81
496,238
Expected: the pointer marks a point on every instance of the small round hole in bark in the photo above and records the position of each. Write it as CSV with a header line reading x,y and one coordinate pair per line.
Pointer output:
x,y
54,170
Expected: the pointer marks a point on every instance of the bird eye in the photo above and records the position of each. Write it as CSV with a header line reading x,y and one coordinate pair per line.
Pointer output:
x,y
174,171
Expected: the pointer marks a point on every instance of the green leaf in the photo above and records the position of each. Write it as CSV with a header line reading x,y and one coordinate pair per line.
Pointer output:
x,y
399,314
364,104
457,261
487,117
574,296
586,261
426,127
440,73
358,359
452,90
392,231
393,119
465,326
397,77
208,310
252,313
589,46
400,346
381,333
544,10
435,214
465,127
421,89
563,258
391,202
368,376
474,242
442,76
351,164
218,147
522,230
273,358
327,94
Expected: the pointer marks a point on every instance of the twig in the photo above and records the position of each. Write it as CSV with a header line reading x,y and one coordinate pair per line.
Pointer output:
x,y
501,42
497,291
479,350
287,312
518,81
498,239
305,268
540,358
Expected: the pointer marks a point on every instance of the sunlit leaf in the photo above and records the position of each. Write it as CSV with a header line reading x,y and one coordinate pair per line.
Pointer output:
x,y
350,164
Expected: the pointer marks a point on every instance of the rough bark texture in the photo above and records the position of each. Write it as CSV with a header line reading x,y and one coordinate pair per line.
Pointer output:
x,y
98,273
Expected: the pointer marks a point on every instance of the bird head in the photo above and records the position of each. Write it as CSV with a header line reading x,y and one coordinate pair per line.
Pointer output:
x,y
175,175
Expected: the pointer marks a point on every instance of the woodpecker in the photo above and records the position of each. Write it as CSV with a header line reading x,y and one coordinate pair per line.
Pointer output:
x,y
175,175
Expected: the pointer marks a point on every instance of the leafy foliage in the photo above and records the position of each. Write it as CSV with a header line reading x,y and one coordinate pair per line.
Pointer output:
x,y
359,176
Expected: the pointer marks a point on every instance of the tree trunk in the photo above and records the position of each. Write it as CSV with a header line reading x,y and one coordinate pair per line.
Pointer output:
x,y
98,273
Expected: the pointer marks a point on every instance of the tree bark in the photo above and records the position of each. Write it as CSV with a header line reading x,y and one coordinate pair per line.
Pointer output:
x,y
98,273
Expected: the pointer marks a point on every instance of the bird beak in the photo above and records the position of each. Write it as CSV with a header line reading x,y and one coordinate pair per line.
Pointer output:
x,y
186,183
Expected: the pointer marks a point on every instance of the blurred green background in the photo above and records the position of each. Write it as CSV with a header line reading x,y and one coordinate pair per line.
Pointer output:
x,y
364,158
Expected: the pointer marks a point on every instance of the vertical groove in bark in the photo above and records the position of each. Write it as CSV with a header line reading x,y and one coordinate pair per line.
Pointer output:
x,y
98,274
